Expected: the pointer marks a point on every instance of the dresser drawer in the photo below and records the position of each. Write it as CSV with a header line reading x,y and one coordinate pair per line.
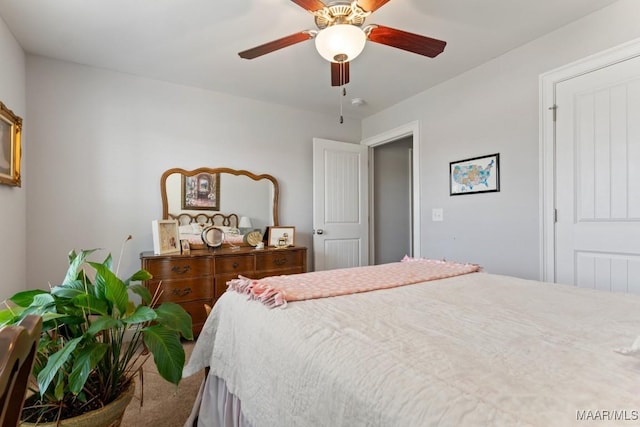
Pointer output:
x,y
279,260
234,264
197,312
181,290
178,268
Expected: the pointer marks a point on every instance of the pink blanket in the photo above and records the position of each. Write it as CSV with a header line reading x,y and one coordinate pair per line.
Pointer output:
x,y
278,290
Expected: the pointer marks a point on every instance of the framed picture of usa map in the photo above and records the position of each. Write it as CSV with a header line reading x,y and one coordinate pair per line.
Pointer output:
x,y
476,175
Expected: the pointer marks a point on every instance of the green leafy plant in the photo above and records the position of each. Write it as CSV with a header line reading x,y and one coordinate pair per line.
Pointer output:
x,y
96,338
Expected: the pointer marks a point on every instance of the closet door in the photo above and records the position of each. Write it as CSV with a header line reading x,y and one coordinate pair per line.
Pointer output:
x,y
598,178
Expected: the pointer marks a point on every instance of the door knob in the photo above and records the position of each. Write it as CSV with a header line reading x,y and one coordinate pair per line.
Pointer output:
x,y
319,231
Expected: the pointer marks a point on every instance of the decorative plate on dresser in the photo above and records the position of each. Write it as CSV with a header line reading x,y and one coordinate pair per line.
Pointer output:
x,y
253,238
212,236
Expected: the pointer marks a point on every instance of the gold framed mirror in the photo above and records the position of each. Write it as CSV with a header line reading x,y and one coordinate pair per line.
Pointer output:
x,y
202,194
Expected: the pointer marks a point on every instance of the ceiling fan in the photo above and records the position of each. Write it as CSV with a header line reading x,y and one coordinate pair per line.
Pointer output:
x,y
341,36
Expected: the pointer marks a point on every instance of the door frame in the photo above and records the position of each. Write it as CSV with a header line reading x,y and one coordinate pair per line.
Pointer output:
x,y
410,129
547,100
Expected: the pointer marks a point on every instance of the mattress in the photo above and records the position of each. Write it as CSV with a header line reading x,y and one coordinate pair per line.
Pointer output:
x,y
472,350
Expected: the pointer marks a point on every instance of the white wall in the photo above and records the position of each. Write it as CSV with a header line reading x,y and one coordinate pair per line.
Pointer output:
x,y
13,251
494,108
100,141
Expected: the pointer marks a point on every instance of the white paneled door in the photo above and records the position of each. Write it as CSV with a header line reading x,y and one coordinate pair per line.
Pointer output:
x,y
340,204
598,179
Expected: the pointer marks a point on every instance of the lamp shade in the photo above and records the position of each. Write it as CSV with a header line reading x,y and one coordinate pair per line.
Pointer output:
x,y
245,222
340,42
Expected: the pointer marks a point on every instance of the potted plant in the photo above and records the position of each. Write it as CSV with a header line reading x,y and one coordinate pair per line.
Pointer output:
x,y
95,338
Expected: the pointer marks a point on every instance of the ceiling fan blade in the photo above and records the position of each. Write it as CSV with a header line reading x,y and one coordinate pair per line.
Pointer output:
x,y
371,5
310,5
269,47
339,73
407,41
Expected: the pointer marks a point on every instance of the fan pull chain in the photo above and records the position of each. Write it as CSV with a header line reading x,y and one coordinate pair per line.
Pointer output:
x,y
344,90
344,93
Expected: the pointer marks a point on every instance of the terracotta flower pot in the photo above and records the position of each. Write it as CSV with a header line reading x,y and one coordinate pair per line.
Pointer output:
x,y
108,416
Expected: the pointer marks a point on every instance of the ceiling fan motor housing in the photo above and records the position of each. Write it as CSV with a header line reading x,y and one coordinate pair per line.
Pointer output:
x,y
340,12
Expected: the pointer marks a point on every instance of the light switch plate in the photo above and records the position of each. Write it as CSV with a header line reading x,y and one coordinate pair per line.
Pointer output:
x,y
437,214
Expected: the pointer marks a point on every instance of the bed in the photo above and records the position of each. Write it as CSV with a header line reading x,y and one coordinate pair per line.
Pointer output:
x,y
477,349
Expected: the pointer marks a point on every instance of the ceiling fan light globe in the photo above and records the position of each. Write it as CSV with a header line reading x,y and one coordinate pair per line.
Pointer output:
x,y
340,42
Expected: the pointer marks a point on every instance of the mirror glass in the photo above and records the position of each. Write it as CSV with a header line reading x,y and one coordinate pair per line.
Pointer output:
x,y
221,190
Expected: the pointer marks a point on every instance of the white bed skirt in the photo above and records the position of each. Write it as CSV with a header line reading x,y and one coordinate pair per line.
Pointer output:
x,y
215,406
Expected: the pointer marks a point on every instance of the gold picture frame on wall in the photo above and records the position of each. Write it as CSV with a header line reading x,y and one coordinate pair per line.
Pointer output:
x,y
10,147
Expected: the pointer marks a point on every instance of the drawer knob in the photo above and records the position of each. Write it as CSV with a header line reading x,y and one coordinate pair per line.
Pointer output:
x,y
181,270
181,292
280,261
235,265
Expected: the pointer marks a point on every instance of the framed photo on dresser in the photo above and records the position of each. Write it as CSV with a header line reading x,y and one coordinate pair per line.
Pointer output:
x,y
282,237
166,238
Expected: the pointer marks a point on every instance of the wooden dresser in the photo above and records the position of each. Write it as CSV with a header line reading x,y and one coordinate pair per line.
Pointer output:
x,y
200,276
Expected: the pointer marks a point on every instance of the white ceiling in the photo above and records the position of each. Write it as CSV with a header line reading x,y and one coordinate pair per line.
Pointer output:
x,y
195,43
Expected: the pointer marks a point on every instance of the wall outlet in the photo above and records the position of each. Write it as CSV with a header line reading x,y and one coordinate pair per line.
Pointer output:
x,y
437,214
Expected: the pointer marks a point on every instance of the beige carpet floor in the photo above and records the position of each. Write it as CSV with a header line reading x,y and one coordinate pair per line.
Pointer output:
x,y
165,405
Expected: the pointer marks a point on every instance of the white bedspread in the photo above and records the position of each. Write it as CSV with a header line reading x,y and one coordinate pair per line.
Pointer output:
x,y
473,350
